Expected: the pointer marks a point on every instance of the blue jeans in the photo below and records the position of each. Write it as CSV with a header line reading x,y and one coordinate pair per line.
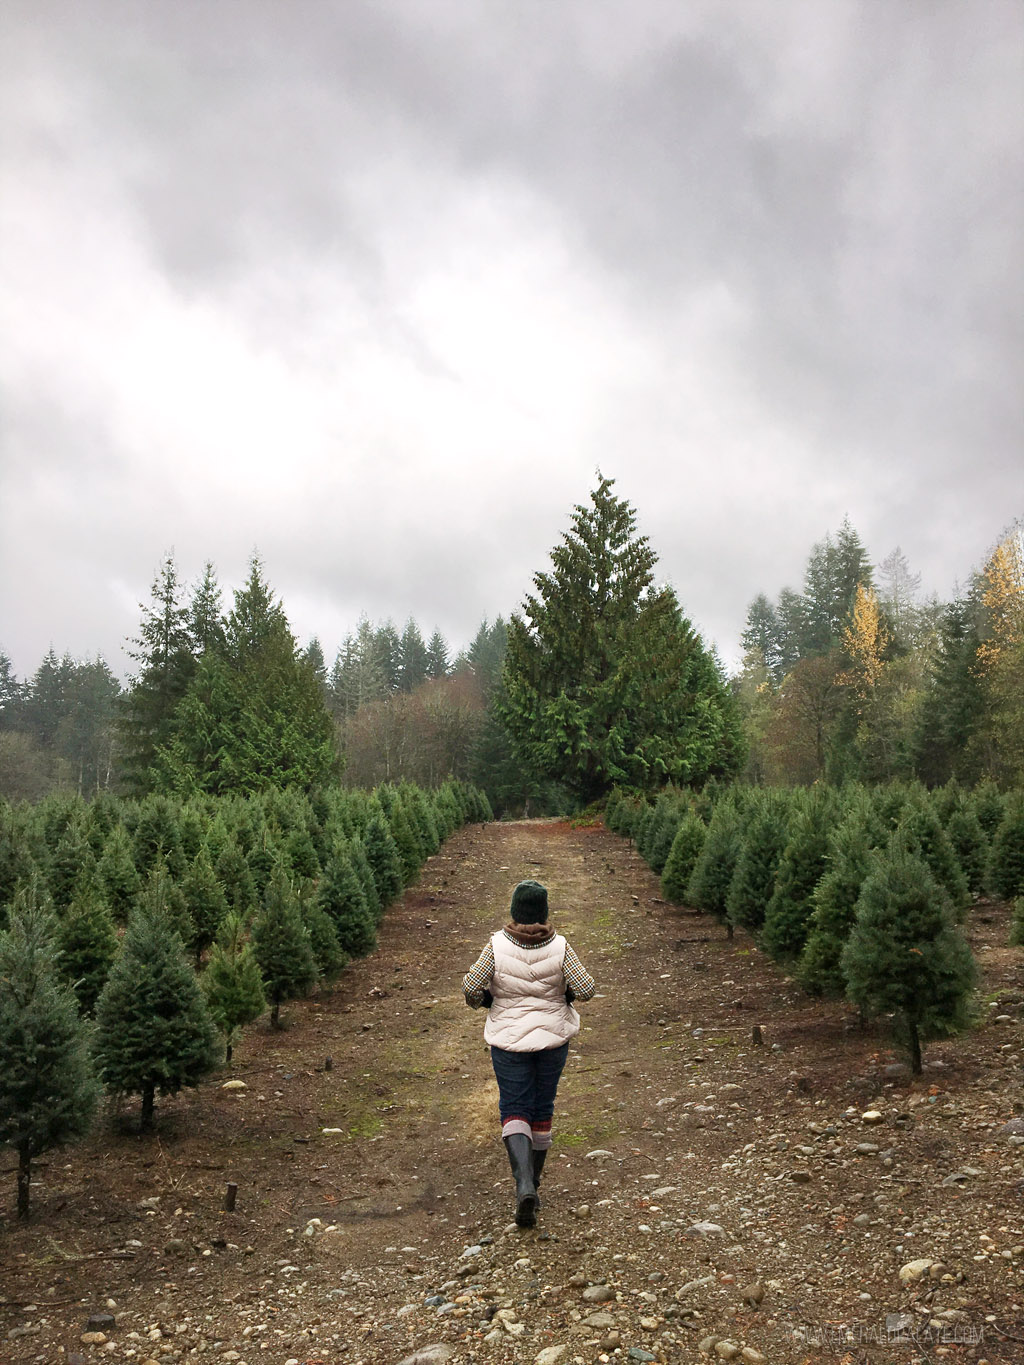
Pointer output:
x,y
527,1084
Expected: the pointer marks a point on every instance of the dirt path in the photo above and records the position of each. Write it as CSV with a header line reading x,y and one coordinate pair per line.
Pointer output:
x,y
728,1166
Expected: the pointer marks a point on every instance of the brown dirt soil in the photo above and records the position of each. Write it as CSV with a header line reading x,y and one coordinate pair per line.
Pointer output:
x,y
395,1149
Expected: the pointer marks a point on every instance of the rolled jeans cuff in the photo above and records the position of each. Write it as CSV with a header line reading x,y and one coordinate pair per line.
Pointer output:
x,y
511,1126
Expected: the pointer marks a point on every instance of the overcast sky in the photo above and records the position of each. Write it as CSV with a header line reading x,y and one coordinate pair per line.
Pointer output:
x,y
374,286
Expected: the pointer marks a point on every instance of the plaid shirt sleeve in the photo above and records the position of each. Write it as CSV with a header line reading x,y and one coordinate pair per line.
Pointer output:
x,y
475,981
577,978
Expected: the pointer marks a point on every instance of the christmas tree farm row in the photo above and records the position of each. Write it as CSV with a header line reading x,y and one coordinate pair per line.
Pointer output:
x,y
137,938
855,891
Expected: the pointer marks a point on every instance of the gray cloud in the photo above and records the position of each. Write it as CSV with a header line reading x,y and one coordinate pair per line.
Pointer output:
x,y
376,287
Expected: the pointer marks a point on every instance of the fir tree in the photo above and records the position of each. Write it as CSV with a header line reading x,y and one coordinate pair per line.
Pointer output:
x,y
367,881
1017,924
682,857
118,874
928,839
1006,859
605,680
753,881
834,900
969,843
437,656
232,983
48,1091
716,863
69,857
342,897
154,1033
207,904
905,955
323,939
787,917
282,945
87,944
383,857
236,878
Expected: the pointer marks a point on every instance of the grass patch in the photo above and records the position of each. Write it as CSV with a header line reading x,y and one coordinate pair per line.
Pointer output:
x,y
366,1126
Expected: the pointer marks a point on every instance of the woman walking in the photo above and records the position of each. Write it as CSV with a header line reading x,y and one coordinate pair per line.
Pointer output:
x,y
528,977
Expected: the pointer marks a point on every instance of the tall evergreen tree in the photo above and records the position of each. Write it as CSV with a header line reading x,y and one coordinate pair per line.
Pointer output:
x,y
154,1033
802,865
412,658
716,863
437,656
204,618
753,880
87,943
48,1091
605,679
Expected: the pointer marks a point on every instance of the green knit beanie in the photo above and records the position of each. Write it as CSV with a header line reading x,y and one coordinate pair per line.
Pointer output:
x,y
530,903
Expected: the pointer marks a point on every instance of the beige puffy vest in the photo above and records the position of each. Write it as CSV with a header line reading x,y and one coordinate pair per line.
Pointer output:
x,y
529,1012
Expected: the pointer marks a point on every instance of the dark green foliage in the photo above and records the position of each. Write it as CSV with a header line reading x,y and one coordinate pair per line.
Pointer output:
x,y
384,860
716,863
969,844
342,897
232,983
989,806
409,848
69,859
163,890
16,863
364,873
765,834
118,874
158,834
1006,858
48,1091
236,878
605,680
1017,926
262,858
928,840
682,857
905,955
154,1033
835,898
301,854
87,943
330,956
282,945
788,915
206,902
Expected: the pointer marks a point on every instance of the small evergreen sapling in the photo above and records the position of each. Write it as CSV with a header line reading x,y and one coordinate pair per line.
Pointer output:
x,y
383,857
232,982
48,1091
753,881
206,902
281,943
87,943
905,956
682,858
342,896
1006,858
787,917
713,871
154,1033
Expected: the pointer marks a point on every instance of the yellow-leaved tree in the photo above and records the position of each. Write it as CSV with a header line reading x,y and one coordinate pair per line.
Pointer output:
x,y
1000,660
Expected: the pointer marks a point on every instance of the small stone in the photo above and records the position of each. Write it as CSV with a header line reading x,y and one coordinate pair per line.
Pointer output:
x,y
234,1085
1015,1128
866,1148
800,1177
726,1349
707,1345
599,1293
583,1211
175,1247
638,1353
611,1341
706,1230
686,1289
435,1354
599,1320
871,1116
649,1324
753,1293
752,1356
93,1338
100,1322
915,1270
550,1355
598,1154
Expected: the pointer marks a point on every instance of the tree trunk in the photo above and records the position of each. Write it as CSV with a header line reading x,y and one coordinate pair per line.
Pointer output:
x,y
227,1054
915,1047
728,930
147,1108
24,1178
275,1014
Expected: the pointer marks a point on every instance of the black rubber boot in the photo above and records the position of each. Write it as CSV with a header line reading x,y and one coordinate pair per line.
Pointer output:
x,y
539,1155
520,1158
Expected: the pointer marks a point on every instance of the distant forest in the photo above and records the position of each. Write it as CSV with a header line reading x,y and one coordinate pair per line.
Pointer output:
x,y
857,675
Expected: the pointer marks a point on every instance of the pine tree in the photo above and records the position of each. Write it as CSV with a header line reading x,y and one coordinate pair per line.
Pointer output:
x,y
367,881
236,878
328,953
69,858
437,656
682,857
1017,924
969,844
928,840
119,876
905,955
87,944
753,880
605,680
207,904
282,945
154,1033
48,1091
232,983
714,868
1006,858
383,857
834,900
342,897
412,658
787,917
